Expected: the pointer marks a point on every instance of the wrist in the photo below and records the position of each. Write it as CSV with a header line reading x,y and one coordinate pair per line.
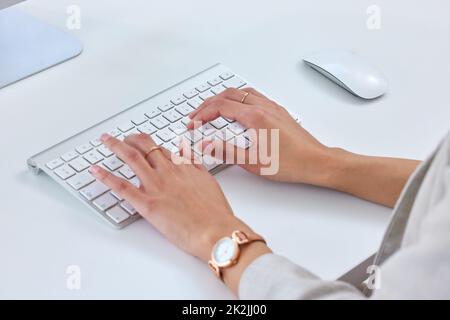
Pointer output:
x,y
245,254
338,166
217,231
320,168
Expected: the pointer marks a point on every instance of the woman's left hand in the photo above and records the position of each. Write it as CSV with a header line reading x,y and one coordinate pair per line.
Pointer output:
x,y
183,201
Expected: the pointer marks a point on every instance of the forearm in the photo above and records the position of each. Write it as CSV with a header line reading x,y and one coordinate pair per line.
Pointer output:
x,y
377,179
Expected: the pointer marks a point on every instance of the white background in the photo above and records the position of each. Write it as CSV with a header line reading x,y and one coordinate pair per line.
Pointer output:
x,y
133,49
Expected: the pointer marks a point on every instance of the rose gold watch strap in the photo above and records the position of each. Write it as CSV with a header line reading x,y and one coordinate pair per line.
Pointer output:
x,y
215,268
242,238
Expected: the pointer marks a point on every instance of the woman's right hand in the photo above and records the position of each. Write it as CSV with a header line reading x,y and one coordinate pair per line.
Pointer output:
x,y
295,157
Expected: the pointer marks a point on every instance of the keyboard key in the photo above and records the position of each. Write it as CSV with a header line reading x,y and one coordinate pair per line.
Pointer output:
x,y
219,123
195,103
55,164
236,128
207,94
178,100
207,129
214,82
166,107
229,120
83,148
250,137
157,140
117,214
193,137
95,142
64,172
127,172
226,75
171,147
70,155
127,126
147,128
80,180
160,122
166,135
184,109
172,116
79,164
116,196
135,182
114,133
129,133
185,120
153,113
178,128
224,135
177,141
93,190
191,94
105,202
113,163
218,89
203,87
241,142
139,120
210,165
128,208
105,151
235,82
93,156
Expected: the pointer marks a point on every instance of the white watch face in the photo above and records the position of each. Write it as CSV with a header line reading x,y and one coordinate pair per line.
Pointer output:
x,y
224,250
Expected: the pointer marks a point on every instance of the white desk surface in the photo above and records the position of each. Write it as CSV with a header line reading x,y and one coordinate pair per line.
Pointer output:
x,y
133,49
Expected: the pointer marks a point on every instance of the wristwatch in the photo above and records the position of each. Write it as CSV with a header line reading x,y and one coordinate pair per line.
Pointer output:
x,y
226,251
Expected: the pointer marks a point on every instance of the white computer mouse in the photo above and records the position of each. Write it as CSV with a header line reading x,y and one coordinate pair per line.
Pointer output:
x,y
350,72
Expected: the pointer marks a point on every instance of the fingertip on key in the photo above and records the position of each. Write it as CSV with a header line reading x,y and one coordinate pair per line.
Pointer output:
x,y
94,170
105,137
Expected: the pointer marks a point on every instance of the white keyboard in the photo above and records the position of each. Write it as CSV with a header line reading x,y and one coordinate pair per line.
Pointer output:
x,y
163,116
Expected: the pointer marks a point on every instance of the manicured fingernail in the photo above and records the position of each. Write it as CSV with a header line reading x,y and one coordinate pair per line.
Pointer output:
x,y
94,170
190,125
104,137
